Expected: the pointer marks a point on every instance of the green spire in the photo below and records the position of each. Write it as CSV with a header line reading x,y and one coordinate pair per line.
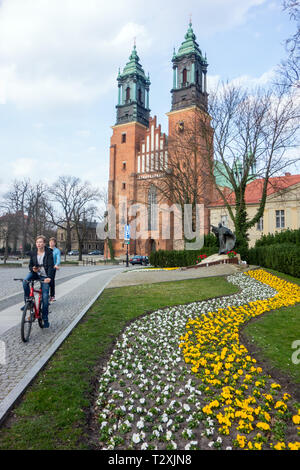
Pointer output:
x,y
190,45
133,67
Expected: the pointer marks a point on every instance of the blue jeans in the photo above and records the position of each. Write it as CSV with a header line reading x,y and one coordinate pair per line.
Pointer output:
x,y
45,291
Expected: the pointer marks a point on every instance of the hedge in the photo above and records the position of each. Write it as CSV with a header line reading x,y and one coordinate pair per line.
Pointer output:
x,y
285,236
284,257
174,258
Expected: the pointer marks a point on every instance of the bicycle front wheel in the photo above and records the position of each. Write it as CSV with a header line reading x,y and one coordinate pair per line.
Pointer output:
x,y
26,322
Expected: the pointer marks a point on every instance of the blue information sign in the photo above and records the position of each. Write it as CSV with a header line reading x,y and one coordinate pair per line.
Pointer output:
x,y
127,232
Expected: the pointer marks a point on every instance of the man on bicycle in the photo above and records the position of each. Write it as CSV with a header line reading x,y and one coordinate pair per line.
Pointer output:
x,y
41,267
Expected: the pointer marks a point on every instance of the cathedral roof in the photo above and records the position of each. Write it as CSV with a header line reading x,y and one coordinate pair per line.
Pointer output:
x,y
133,67
189,45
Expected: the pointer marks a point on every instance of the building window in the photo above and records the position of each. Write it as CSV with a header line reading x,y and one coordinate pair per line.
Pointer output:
x,y
184,77
123,185
280,219
128,93
140,95
124,165
260,224
224,220
152,209
123,137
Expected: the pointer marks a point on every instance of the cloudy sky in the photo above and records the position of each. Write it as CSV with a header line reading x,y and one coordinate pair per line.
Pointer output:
x,y
59,61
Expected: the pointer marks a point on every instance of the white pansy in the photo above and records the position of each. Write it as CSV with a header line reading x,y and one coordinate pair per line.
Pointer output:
x,y
153,365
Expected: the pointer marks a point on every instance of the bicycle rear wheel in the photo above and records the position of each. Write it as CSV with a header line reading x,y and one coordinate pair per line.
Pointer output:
x,y
26,322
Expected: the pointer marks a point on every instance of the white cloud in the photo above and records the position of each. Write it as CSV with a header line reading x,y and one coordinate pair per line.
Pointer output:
x,y
84,133
23,167
245,81
59,52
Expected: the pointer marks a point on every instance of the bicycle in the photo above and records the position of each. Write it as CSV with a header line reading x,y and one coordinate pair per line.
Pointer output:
x,y
32,310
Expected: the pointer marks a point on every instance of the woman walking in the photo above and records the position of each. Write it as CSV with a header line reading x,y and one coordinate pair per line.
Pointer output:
x,y
56,257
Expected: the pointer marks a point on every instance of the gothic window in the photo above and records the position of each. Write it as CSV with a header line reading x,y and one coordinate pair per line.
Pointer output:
x,y
140,96
128,93
197,77
123,137
184,77
152,208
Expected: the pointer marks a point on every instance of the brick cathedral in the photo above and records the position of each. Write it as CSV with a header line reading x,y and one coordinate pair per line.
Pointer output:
x,y
139,149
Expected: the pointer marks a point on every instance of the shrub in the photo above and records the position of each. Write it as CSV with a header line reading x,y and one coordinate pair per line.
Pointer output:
x,y
174,258
284,257
285,236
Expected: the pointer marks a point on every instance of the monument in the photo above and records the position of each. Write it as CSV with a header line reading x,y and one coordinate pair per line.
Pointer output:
x,y
226,238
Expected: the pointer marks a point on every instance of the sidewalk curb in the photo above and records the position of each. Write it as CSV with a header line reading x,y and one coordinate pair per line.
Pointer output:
x,y
19,389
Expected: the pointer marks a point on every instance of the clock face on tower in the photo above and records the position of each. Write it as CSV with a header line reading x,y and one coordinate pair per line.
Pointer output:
x,y
180,126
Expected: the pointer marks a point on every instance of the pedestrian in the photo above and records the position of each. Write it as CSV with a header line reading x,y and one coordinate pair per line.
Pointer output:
x,y
56,258
41,267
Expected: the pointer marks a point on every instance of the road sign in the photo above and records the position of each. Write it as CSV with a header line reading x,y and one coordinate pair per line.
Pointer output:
x,y
127,242
127,232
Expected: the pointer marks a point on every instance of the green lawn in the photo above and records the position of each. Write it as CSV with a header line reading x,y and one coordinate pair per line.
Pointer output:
x,y
52,413
275,332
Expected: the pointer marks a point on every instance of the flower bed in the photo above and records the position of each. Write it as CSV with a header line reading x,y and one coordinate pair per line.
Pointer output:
x,y
182,380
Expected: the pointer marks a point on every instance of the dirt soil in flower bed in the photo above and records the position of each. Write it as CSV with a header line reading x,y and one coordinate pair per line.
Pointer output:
x,y
285,381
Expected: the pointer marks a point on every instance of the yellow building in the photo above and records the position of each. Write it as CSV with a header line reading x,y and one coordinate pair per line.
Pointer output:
x,y
282,209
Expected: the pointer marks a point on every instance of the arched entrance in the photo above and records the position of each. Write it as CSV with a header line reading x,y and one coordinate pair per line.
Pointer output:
x,y
150,246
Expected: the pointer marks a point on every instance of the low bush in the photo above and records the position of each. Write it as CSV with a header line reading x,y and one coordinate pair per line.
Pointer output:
x,y
174,258
285,236
284,257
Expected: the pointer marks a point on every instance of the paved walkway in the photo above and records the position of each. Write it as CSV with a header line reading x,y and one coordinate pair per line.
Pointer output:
x,y
18,360
131,278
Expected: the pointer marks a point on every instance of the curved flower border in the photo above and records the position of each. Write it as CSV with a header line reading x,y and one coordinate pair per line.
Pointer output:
x,y
150,399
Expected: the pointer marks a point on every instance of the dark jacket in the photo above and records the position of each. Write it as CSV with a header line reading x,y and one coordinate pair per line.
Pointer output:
x,y
48,262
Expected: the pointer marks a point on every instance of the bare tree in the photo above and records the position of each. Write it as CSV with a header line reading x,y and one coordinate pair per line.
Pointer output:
x,y
38,209
19,201
70,198
84,212
8,226
61,205
252,133
289,69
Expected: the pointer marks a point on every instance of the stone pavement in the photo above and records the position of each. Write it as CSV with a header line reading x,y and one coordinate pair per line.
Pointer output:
x,y
134,277
18,359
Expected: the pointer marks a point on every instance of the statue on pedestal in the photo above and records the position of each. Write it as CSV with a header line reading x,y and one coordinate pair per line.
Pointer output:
x,y
226,238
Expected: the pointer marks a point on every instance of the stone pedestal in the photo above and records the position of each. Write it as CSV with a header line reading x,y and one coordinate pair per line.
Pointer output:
x,y
219,259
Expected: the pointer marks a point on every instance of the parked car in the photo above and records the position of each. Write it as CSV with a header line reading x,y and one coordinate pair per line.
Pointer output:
x,y
138,259
96,252
73,252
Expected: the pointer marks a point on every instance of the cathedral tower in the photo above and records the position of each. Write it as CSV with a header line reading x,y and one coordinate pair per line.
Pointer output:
x,y
189,75
188,118
128,132
133,99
